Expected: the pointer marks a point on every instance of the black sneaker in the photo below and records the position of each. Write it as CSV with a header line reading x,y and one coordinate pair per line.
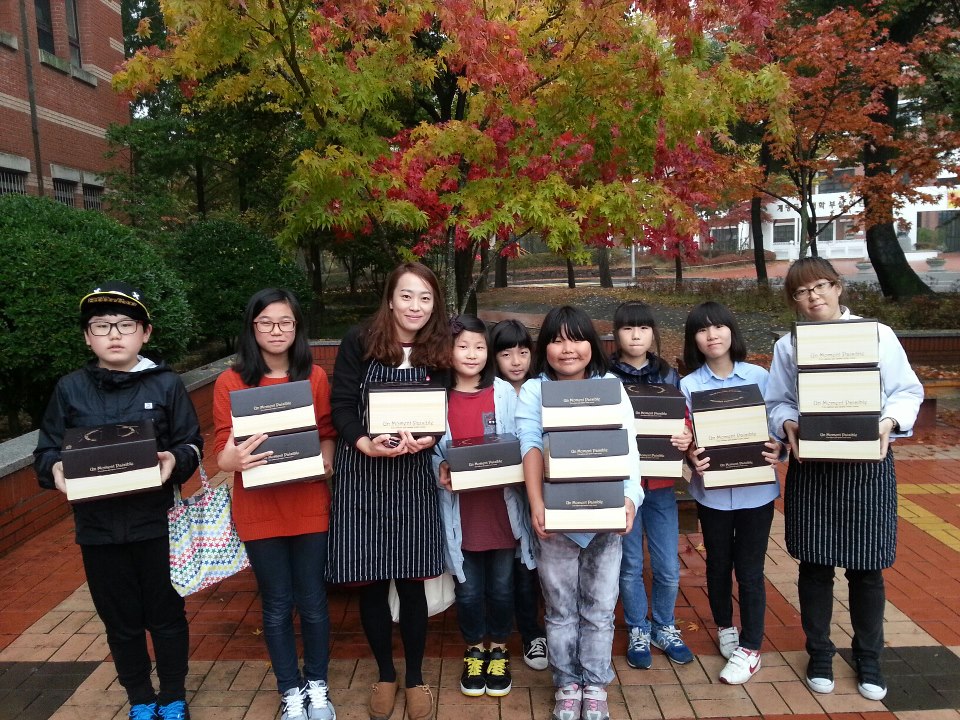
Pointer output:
x,y
819,675
870,683
497,674
472,681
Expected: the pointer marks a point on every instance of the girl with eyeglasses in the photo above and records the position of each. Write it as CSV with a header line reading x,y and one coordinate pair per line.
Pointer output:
x,y
840,514
284,526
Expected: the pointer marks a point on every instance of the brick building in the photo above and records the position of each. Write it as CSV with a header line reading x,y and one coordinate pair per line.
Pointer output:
x,y
55,134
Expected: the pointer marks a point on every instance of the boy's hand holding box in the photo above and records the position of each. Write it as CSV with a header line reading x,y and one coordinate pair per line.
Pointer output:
x,y
110,460
285,413
419,408
483,462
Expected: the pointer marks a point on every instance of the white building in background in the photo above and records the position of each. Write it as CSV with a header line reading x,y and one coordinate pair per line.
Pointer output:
x,y
934,226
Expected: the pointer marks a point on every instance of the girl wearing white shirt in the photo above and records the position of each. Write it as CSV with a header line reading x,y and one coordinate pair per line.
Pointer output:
x,y
840,514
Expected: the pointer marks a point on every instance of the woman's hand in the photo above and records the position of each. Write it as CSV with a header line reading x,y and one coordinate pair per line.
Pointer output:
x,y
631,510
415,445
886,427
237,457
699,463
773,451
790,429
167,464
444,476
59,480
681,441
382,446
537,519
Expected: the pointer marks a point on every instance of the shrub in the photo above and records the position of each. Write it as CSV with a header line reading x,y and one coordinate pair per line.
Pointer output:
x,y
222,263
52,256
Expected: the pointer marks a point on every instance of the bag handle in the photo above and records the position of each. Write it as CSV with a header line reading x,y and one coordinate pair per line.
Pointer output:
x,y
204,480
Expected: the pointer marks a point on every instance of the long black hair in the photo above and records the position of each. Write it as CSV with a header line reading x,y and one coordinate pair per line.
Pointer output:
x,y
249,361
575,324
634,313
471,323
702,316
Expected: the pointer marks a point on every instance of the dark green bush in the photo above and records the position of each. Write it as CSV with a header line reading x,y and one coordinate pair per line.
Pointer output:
x,y
52,256
224,262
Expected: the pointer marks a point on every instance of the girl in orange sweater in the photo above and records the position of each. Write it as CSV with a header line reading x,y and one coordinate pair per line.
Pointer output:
x,y
284,526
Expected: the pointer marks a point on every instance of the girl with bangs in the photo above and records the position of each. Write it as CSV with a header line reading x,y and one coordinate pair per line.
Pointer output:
x,y
637,361
579,571
841,514
735,521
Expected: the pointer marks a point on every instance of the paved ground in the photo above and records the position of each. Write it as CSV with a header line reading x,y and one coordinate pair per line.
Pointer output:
x,y
54,659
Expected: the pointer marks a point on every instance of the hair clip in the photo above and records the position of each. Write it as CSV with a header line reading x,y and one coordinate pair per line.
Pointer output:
x,y
456,327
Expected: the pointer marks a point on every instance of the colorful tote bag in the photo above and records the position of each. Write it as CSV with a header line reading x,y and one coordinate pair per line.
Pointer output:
x,y
204,545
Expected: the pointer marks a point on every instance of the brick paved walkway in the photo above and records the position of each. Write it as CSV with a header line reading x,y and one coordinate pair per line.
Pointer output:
x,y
54,659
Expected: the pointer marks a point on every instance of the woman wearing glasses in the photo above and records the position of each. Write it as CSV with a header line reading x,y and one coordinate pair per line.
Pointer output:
x,y
840,514
284,526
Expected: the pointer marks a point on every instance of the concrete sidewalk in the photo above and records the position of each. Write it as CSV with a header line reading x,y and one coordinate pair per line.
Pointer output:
x,y
54,658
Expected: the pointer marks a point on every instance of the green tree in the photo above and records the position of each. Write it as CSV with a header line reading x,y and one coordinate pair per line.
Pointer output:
x,y
53,255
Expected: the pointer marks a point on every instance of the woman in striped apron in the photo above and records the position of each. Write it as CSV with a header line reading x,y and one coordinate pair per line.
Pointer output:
x,y
840,514
385,521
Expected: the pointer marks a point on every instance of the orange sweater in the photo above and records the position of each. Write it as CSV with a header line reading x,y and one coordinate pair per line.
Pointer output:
x,y
283,510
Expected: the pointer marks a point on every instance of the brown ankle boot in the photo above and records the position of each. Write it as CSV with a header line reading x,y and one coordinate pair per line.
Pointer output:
x,y
383,696
419,703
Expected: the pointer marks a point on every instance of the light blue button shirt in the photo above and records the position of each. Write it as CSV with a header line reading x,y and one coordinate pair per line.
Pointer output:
x,y
729,498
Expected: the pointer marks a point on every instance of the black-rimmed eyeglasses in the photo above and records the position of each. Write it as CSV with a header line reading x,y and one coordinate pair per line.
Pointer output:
x,y
266,326
820,288
102,327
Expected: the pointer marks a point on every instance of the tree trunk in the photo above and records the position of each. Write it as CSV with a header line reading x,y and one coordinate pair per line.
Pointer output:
x,y
678,271
485,266
897,279
500,271
449,272
463,272
571,278
756,219
606,279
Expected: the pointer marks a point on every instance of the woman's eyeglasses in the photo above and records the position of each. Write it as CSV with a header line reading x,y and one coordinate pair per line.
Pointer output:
x,y
266,326
820,288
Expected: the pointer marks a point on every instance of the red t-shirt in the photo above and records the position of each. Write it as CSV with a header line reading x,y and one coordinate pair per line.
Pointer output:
x,y
483,513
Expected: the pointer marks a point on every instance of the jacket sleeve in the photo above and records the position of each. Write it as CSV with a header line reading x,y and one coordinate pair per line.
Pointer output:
x,y
780,394
184,433
346,393
52,426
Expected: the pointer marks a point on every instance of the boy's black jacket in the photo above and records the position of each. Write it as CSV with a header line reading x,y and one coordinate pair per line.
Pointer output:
x,y
95,396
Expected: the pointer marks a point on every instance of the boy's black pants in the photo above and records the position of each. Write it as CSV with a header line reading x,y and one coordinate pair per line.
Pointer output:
x,y
131,590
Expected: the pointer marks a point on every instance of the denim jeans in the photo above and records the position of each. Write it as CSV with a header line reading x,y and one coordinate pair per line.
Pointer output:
x,y
580,588
736,542
657,519
290,573
867,601
485,599
526,602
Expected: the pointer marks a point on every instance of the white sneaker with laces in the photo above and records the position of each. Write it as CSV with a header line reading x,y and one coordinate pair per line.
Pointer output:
x,y
320,707
740,667
729,640
535,654
293,704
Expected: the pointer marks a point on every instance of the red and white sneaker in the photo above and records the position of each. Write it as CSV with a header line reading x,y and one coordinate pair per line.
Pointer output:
x,y
740,667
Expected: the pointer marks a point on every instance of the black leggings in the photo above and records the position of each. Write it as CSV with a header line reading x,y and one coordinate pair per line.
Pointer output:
x,y
378,626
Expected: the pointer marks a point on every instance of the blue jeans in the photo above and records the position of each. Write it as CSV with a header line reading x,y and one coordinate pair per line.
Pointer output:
x,y
736,544
580,591
485,599
526,602
290,573
657,518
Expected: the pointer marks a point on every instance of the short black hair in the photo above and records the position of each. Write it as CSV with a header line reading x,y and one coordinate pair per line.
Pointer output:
x,y
508,334
634,313
249,360
575,324
471,323
702,316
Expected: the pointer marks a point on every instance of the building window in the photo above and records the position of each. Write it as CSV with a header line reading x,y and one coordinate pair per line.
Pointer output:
x,y
12,182
837,181
63,191
92,197
784,232
725,239
845,229
44,26
73,33
825,232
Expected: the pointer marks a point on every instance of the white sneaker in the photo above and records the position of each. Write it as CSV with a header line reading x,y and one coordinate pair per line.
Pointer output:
x,y
729,640
293,704
535,654
320,707
740,667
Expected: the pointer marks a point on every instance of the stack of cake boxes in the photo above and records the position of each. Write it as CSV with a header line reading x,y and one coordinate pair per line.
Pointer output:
x,y
838,389
110,460
585,455
285,413
659,412
731,424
